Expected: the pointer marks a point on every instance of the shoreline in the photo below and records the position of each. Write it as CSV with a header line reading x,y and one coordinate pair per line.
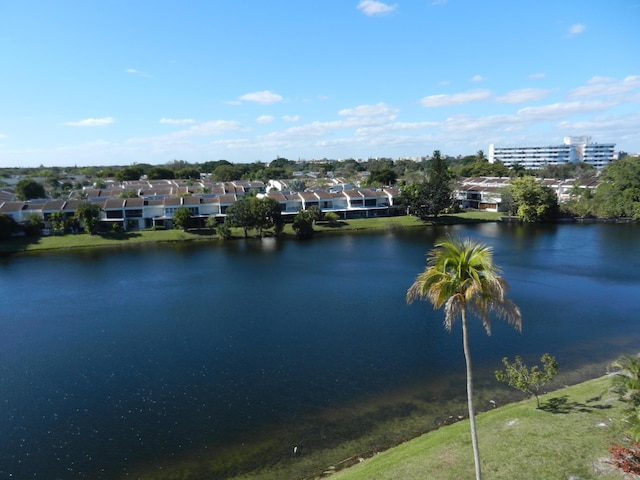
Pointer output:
x,y
399,417
26,245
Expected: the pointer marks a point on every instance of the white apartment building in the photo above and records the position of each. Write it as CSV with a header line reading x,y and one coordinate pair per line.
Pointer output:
x,y
573,149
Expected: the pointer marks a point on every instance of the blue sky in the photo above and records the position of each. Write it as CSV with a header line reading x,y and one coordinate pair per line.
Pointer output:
x,y
122,82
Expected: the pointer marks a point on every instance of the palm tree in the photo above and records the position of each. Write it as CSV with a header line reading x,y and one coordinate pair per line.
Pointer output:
x,y
461,276
626,383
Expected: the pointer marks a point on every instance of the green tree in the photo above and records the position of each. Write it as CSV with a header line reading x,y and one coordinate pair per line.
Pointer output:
x,y
461,277
211,222
303,224
518,170
619,194
88,214
223,230
28,189
225,173
528,380
99,183
439,192
414,197
208,167
239,215
626,384
129,174
266,213
59,223
160,173
331,218
189,172
315,213
482,168
382,177
182,219
533,202
283,163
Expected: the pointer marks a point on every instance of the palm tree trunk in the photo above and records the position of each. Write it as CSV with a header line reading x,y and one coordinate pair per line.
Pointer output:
x,y
472,416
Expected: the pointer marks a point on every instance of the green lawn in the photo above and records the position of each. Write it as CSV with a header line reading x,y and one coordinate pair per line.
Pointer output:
x,y
567,439
33,244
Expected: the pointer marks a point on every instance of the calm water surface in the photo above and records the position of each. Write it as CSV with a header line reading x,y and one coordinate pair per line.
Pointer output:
x,y
110,361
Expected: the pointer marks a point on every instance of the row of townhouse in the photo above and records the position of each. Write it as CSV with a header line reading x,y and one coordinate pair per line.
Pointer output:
x,y
154,205
485,193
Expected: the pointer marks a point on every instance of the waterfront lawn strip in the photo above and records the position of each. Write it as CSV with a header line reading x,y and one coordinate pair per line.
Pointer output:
x,y
568,438
29,244
63,242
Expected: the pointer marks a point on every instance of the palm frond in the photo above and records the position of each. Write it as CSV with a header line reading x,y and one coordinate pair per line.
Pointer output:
x,y
460,274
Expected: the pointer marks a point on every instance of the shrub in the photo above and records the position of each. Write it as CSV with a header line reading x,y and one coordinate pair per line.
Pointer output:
x,y
223,230
331,218
528,380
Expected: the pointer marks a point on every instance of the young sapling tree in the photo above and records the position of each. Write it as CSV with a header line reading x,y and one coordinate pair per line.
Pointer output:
x,y
525,379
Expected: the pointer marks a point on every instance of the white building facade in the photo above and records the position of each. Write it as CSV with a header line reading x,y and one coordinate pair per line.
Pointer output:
x,y
573,149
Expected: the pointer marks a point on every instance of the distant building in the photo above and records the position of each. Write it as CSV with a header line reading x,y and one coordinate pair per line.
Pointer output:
x,y
573,149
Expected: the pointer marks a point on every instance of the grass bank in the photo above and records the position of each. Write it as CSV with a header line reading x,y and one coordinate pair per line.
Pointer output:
x,y
140,237
568,438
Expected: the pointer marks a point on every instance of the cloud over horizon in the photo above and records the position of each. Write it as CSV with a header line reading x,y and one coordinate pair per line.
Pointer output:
x,y
177,121
265,97
372,7
576,29
92,122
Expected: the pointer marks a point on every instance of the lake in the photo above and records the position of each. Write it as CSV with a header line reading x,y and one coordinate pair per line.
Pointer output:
x,y
134,362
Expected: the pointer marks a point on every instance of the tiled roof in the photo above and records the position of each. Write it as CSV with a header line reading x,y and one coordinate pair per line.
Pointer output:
x,y
11,207
113,203
134,202
191,200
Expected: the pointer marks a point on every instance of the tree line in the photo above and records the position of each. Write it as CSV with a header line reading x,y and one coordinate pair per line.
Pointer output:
x,y
426,187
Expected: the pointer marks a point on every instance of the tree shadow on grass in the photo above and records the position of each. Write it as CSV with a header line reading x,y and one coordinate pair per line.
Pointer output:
x,y
14,245
203,232
565,406
121,236
338,224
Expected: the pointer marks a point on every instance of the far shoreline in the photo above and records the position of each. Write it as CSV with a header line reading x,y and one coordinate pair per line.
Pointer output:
x,y
70,242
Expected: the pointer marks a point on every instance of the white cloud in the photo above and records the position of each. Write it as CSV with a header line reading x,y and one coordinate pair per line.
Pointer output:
x,y
395,127
477,78
576,29
133,71
537,76
180,138
264,97
433,101
439,2
602,86
291,118
523,95
378,110
264,119
177,121
620,123
372,7
555,111
210,128
92,122
2,135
